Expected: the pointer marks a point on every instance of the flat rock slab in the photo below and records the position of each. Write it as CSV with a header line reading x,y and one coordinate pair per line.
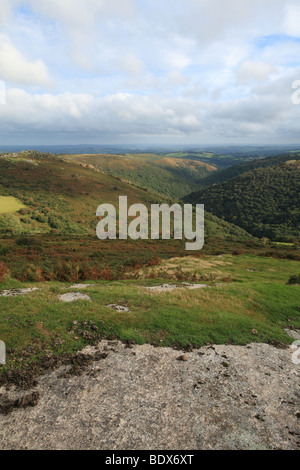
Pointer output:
x,y
17,292
81,286
73,297
119,308
197,286
293,333
170,287
222,284
221,397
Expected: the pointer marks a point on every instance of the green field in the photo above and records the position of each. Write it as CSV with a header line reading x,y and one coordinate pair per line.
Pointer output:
x,y
10,205
253,303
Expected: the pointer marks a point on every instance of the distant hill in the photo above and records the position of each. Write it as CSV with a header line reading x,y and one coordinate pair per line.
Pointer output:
x,y
239,169
263,197
61,197
173,177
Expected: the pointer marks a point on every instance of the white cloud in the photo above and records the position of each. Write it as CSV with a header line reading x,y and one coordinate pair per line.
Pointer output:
x,y
5,9
123,114
17,69
291,21
132,64
249,72
83,13
177,60
175,77
201,69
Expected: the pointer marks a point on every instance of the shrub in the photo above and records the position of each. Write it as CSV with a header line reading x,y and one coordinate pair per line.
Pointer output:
x,y
54,222
4,271
10,224
155,261
25,241
23,211
238,252
4,250
294,279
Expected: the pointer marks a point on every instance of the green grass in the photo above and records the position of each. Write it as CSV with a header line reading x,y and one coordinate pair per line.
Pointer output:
x,y
259,299
10,205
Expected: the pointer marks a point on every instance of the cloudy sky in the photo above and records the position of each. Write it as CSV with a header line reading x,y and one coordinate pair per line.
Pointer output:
x,y
149,71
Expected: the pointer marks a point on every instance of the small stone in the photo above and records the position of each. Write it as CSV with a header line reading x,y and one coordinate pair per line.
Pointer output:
x,y
183,358
254,332
73,296
119,308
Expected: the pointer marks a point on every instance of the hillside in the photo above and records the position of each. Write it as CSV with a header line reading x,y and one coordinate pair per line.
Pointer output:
x,y
173,177
55,202
236,170
58,197
263,200
52,195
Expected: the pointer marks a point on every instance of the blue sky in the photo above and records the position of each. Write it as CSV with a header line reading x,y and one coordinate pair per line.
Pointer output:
x,y
152,71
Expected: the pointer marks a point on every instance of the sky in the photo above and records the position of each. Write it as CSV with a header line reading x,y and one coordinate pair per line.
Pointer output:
x,y
149,71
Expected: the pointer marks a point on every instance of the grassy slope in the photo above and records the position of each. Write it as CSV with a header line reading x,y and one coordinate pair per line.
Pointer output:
x,y
61,199
64,196
64,192
171,176
220,160
10,205
256,298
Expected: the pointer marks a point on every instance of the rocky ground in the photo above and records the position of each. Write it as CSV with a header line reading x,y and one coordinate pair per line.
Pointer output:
x,y
141,397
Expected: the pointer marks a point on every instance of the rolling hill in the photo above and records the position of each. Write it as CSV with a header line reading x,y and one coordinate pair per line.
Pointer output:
x,y
61,197
238,169
173,177
262,197
49,232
